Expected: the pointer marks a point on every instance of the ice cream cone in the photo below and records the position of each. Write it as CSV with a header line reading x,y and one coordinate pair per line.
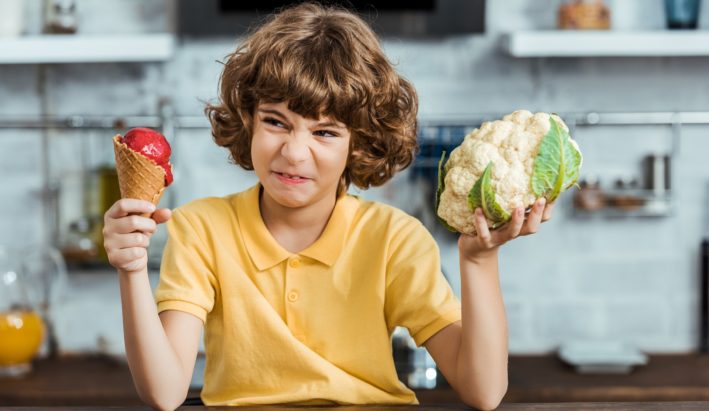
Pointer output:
x,y
138,177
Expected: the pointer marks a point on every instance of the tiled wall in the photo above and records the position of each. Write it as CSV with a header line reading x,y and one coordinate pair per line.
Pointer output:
x,y
629,279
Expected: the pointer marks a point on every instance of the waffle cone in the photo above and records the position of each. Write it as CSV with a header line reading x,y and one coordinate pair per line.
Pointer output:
x,y
138,177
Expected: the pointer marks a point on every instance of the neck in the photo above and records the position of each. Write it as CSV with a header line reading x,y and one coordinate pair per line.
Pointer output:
x,y
296,228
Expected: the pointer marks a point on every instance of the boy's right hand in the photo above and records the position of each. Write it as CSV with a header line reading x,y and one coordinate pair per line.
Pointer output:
x,y
126,235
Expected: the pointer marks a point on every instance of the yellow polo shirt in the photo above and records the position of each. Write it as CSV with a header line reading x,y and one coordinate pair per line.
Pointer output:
x,y
307,328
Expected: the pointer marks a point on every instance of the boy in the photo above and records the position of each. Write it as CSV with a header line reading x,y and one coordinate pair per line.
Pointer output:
x,y
297,284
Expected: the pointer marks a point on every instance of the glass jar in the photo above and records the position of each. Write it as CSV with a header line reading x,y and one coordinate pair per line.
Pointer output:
x,y
682,14
21,325
589,197
79,246
583,15
45,271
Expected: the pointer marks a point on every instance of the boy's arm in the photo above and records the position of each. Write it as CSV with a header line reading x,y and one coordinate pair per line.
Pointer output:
x,y
472,353
162,349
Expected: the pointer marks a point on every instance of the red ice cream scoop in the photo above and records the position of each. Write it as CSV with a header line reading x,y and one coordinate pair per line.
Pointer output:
x,y
151,145
168,173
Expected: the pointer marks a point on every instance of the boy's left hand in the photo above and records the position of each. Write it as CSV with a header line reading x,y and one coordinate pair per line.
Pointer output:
x,y
486,242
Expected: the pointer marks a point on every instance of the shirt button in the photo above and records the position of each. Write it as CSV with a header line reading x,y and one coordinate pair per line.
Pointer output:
x,y
293,296
295,263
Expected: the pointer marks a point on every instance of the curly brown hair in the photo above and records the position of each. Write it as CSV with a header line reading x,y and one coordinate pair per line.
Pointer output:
x,y
321,60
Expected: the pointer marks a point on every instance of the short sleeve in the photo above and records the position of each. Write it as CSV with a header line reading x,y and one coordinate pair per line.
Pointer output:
x,y
418,296
187,282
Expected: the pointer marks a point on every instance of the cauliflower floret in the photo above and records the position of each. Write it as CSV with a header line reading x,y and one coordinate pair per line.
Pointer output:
x,y
511,145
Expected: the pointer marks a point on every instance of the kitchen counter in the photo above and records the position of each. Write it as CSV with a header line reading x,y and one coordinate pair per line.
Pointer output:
x,y
102,381
599,406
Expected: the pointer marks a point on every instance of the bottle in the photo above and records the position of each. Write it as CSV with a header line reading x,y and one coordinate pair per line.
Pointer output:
x,y
108,193
60,17
657,173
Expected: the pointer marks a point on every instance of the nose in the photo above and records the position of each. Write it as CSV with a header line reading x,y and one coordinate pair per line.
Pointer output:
x,y
295,148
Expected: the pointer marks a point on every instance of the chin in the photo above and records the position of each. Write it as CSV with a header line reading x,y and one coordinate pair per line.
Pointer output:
x,y
290,198
291,201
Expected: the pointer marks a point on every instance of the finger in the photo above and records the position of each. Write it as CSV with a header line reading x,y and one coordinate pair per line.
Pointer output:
x,y
515,225
162,215
131,223
483,232
534,218
546,216
123,241
128,206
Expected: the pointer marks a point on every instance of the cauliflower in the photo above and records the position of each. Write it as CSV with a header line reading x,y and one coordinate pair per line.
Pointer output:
x,y
503,165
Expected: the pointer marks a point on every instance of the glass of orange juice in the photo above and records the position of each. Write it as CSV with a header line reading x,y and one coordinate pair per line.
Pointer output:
x,y
21,327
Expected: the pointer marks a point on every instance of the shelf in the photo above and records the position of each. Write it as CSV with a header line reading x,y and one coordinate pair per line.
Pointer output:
x,y
630,203
612,212
568,43
86,48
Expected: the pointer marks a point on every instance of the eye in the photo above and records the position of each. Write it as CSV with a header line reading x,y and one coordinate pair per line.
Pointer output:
x,y
272,121
325,133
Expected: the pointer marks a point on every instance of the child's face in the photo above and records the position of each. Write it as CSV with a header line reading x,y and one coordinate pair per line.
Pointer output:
x,y
298,160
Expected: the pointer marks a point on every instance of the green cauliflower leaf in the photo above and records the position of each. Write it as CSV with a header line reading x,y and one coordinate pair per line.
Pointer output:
x,y
557,165
482,195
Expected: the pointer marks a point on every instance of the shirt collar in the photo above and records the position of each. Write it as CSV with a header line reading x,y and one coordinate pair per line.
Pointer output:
x,y
264,250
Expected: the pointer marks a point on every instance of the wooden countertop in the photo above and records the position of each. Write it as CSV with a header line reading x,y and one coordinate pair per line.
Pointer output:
x,y
595,406
664,378
100,381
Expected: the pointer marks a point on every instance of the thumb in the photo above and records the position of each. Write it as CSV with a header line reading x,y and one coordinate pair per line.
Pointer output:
x,y
162,215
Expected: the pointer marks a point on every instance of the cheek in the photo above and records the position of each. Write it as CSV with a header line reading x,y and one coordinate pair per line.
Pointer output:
x,y
254,152
339,156
259,152
261,145
346,152
344,157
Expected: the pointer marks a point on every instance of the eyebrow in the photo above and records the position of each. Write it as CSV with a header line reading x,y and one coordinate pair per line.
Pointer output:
x,y
322,124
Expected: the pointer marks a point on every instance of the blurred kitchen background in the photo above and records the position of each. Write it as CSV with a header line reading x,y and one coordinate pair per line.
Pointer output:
x,y
619,262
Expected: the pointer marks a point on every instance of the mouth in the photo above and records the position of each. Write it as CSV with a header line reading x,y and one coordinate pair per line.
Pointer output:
x,y
291,178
